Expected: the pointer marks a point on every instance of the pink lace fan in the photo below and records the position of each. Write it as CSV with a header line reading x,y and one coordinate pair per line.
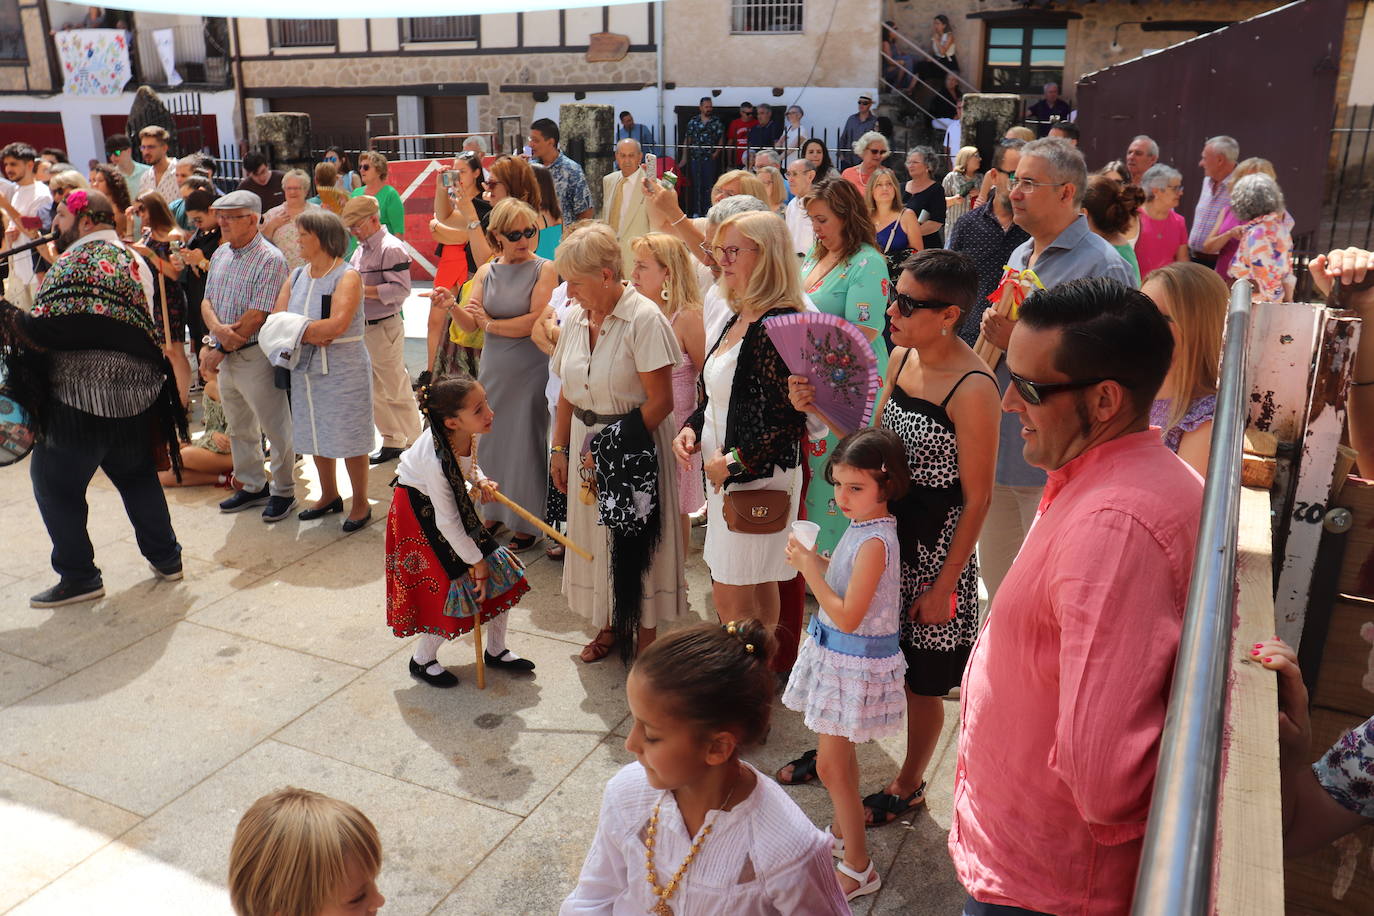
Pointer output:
x,y
836,357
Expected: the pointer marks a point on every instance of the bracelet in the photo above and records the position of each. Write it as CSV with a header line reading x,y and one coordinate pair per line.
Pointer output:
x,y
678,220
559,450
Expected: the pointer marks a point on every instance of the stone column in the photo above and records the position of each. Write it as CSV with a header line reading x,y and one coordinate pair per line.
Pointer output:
x,y
586,134
287,135
986,118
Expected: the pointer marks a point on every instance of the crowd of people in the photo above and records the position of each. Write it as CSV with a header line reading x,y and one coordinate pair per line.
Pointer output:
x,y
594,385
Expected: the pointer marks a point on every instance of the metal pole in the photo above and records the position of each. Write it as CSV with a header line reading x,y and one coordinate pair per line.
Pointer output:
x,y
1175,876
660,12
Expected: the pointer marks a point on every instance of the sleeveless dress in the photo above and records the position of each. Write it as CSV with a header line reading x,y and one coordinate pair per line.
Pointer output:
x,y
892,238
514,373
937,502
848,695
690,482
857,289
549,237
1200,410
331,387
176,299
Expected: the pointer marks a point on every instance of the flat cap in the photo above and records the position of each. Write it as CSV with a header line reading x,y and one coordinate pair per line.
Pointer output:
x,y
239,200
359,208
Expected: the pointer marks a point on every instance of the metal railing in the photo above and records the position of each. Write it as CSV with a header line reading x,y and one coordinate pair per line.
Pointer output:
x,y
748,17
893,88
440,28
968,87
1176,867
304,33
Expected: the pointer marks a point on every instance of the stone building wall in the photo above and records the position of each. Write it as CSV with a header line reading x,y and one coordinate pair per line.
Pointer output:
x,y
35,76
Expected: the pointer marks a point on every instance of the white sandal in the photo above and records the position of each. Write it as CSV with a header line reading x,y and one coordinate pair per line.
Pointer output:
x,y
836,843
869,879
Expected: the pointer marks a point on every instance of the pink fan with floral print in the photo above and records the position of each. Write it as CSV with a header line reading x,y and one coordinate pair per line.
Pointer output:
x,y
835,357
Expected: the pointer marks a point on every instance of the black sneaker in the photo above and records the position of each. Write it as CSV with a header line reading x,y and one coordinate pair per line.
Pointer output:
x,y
171,572
68,593
244,499
278,508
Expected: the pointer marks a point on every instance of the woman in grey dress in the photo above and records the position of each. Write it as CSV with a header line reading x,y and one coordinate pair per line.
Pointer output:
x,y
508,295
331,384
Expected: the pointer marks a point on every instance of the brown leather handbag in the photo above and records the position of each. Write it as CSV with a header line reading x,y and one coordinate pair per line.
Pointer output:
x,y
757,511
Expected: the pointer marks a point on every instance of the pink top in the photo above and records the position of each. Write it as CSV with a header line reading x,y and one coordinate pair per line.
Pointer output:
x,y
1065,694
1159,240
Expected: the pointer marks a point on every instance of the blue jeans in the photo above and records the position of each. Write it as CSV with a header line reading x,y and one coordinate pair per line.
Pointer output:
x,y
60,478
975,908
701,172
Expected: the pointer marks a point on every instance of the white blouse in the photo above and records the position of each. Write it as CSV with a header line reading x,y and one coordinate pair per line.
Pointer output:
x,y
763,858
419,467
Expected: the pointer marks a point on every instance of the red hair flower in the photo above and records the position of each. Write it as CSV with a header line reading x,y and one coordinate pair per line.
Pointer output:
x,y
76,201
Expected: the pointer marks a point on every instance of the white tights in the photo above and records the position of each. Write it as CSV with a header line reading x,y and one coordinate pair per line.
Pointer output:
x,y
493,639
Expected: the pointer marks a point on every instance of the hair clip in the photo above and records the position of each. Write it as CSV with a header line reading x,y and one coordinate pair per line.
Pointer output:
x,y
732,628
749,647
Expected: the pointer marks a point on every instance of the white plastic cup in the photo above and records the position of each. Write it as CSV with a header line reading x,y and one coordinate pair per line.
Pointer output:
x,y
806,533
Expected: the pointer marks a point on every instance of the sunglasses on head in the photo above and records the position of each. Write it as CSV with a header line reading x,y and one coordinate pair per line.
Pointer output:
x,y
517,235
908,304
1034,393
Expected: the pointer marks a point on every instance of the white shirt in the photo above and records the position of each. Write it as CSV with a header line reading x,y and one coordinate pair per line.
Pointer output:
x,y
799,226
166,185
764,857
419,467
30,200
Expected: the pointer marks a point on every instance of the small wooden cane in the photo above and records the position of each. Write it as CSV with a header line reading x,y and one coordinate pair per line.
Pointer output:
x,y
477,640
541,525
166,319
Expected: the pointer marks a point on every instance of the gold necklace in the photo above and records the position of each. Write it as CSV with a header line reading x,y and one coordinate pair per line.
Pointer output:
x,y
661,908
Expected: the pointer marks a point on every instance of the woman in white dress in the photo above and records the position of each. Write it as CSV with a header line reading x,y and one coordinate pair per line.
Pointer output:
x,y
615,354
747,431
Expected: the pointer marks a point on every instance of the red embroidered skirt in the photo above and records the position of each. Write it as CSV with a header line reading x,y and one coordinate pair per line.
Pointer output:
x,y
420,597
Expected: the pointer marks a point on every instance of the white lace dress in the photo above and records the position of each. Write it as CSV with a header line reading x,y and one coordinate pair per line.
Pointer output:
x,y
848,695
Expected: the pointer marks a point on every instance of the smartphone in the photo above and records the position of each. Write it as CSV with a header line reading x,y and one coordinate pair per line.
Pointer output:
x,y
651,165
446,179
175,246
136,225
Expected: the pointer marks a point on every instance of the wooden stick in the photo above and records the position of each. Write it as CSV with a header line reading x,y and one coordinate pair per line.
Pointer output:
x,y
540,524
477,641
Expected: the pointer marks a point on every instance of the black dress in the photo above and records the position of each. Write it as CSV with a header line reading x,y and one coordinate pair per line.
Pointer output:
x,y
932,201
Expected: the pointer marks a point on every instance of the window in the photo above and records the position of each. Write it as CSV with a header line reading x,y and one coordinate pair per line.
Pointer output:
x,y
440,28
1024,55
304,33
747,16
11,32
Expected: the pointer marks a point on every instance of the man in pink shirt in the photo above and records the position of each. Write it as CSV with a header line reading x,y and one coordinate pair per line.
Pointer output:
x,y
1065,694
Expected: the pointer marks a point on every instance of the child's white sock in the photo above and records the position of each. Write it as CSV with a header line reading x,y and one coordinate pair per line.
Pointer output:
x,y
494,635
427,653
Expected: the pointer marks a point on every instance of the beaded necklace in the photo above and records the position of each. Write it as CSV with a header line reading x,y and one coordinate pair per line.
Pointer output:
x,y
661,908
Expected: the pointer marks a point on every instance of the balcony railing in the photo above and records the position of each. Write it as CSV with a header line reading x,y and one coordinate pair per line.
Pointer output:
x,y
304,33
200,54
440,28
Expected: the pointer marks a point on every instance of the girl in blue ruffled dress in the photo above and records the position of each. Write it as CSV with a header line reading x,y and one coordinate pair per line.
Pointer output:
x,y
848,677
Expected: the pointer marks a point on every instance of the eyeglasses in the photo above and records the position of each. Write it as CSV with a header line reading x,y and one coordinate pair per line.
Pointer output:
x,y
726,255
908,304
529,233
1028,186
1034,393
364,167
228,217
1177,188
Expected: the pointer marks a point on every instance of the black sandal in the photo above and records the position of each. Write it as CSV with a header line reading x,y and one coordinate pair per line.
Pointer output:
x,y
522,542
890,807
803,770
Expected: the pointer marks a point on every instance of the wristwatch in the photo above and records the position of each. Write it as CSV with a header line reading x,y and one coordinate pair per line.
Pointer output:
x,y
213,344
474,225
732,463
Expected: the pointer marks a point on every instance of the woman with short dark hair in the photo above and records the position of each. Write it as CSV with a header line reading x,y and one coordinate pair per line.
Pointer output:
x,y
159,237
331,382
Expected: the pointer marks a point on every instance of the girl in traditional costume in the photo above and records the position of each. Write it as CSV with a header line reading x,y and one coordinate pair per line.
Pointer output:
x,y
442,567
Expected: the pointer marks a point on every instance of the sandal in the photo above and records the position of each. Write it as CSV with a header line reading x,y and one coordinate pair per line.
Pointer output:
x,y
555,552
599,648
883,807
522,542
803,770
836,842
869,880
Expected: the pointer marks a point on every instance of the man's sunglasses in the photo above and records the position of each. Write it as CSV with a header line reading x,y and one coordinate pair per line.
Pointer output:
x,y
908,304
517,235
1034,393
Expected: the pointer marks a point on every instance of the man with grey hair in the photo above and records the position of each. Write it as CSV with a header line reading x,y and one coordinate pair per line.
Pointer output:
x,y
1046,200
801,174
1140,155
766,157
1048,109
623,191
1218,162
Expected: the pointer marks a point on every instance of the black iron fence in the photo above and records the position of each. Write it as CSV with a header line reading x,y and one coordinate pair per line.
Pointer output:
x,y
1347,217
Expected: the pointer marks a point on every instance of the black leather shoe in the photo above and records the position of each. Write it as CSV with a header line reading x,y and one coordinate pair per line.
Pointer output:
x,y
509,664
309,515
351,525
244,499
444,679
385,454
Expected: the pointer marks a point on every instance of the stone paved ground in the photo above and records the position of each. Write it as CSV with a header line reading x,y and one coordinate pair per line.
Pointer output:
x,y
135,730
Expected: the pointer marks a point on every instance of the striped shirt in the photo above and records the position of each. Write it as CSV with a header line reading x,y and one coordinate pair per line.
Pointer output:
x,y
245,278
1215,197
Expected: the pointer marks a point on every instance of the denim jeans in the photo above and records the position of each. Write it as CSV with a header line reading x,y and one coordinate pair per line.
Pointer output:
x,y
974,908
60,478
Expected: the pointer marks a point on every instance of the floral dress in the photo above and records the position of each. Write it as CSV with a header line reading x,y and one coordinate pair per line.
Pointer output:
x,y
1264,256
1200,410
856,288
1346,771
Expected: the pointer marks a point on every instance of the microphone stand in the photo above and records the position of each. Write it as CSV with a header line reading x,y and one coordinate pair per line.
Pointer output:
x,y
29,246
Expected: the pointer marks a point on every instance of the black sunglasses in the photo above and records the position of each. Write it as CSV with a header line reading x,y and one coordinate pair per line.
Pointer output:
x,y
906,304
1035,392
517,235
